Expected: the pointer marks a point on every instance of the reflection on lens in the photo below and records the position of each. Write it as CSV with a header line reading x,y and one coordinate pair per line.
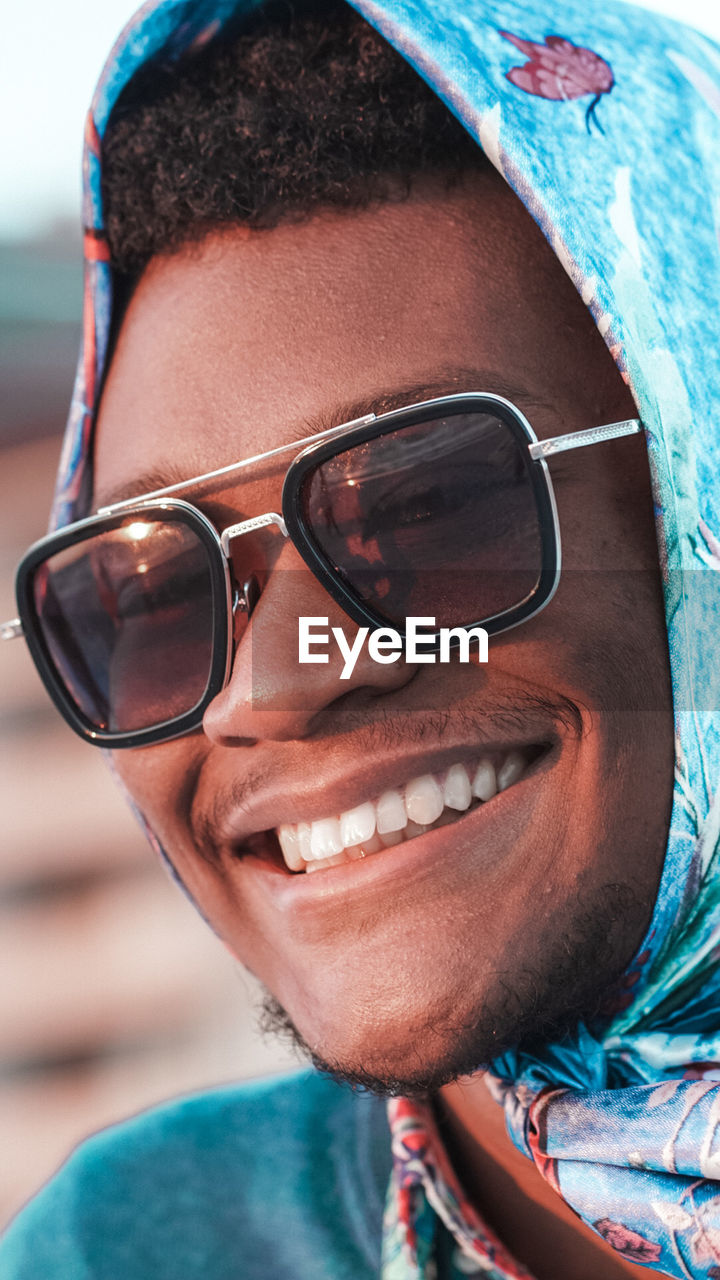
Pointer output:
x,y
438,518
136,531
127,619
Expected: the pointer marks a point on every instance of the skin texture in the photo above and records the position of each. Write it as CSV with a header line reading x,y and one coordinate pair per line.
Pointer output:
x,y
418,964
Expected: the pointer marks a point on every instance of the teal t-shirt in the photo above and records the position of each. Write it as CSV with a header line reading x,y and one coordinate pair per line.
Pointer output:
x,y
281,1179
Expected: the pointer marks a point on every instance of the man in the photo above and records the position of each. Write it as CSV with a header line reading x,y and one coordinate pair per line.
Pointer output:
x,y
302,237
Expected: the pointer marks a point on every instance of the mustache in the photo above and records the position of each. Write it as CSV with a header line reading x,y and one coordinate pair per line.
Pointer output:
x,y
526,716
516,711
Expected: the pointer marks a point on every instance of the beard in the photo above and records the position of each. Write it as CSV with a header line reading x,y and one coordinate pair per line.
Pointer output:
x,y
576,982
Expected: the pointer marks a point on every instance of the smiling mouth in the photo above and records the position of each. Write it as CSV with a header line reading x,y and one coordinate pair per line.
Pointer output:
x,y
424,803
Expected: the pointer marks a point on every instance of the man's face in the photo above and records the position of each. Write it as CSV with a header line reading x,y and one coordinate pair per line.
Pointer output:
x,y
420,961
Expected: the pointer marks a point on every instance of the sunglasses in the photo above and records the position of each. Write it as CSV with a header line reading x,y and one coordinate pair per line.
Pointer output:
x,y
444,507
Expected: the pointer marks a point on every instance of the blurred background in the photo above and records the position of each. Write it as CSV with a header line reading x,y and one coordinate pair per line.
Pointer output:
x,y
115,996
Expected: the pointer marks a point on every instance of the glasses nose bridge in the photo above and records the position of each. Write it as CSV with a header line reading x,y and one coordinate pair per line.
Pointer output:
x,y
249,526
246,594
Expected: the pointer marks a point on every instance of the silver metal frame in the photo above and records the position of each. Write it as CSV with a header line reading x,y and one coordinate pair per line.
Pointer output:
x,y
539,450
300,445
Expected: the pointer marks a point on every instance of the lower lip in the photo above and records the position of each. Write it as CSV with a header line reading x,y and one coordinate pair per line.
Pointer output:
x,y
296,892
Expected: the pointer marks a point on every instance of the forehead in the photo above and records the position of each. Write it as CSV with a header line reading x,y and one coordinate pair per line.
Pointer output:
x,y
251,339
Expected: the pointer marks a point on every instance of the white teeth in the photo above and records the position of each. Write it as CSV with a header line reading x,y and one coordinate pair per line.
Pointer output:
x,y
484,783
319,863
325,838
510,770
357,825
391,812
290,845
426,803
390,838
304,830
456,789
423,800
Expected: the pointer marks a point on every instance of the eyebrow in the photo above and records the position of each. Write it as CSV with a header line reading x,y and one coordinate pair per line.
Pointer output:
x,y
466,380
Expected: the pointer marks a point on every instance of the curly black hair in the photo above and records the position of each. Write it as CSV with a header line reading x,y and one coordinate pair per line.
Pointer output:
x,y
305,107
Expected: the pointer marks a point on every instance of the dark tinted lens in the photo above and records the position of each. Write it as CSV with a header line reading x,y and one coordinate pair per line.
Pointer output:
x,y
438,518
127,620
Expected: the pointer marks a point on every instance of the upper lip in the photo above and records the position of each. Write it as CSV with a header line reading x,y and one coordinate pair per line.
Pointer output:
x,y
287,798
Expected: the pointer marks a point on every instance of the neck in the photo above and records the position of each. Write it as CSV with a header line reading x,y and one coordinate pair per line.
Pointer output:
x,y
533,1222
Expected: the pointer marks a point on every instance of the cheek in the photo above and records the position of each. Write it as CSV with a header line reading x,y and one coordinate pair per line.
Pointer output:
x,y
162,781
605,510
159,780
608,615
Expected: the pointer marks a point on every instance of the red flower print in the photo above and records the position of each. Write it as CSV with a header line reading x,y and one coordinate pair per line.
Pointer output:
x,y
632,1246
701,1071
537,1137
561,71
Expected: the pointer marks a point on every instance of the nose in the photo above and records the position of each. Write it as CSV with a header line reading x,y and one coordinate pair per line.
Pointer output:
x,y
271,694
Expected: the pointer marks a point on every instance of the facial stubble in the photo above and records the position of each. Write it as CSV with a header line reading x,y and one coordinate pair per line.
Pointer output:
x,y
575,981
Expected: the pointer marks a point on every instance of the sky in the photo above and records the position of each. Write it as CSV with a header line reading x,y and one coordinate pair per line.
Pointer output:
x,y
52,53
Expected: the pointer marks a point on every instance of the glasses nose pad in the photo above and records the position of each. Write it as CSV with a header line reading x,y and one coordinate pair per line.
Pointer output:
x,y
245,600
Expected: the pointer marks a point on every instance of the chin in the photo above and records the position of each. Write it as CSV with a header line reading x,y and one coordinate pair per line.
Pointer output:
x,y
418,1039
392,1059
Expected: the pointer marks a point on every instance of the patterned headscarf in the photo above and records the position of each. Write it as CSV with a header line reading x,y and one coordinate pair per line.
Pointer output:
x,y
605,120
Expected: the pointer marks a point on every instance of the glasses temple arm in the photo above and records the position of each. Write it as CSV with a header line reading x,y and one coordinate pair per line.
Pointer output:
x,y
578,439
11,630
